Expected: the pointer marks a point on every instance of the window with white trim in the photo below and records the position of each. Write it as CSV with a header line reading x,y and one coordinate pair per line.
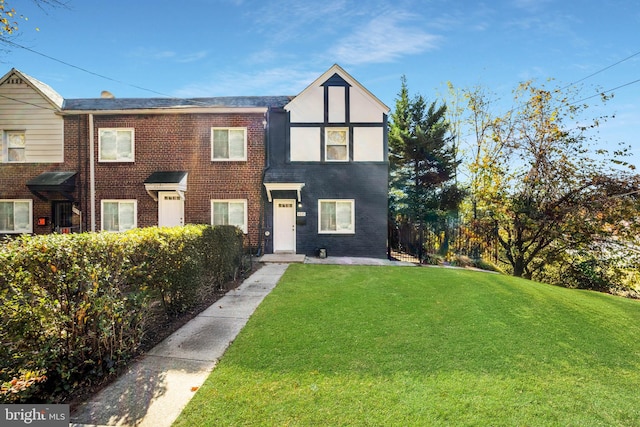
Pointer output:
x,y
229,212
15,142
336,216
228,144
336,145
16,216
116,145
119,215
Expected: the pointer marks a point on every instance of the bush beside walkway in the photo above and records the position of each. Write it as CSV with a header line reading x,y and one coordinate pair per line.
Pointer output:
x,y
76,307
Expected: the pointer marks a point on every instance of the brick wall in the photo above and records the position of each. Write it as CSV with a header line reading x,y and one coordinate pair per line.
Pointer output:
x,y
173,142
14,177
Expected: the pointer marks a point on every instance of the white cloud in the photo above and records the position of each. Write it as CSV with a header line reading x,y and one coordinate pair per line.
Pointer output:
x,y
386,38
277,81
192,57
168,55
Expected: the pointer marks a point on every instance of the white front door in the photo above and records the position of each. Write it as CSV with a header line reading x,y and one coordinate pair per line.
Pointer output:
x,y
170,209
284,225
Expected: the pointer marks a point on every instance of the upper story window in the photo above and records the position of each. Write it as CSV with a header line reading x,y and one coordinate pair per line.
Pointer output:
x,y
16,216
119,215
336,216
228,144
336,145
116,145
229,212
16,142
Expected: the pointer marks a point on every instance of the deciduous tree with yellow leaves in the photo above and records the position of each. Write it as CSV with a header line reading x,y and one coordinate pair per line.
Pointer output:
x,y
540,186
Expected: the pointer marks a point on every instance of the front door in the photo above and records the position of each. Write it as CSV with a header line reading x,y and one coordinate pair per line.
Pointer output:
x,y
170,209
62,220
284,225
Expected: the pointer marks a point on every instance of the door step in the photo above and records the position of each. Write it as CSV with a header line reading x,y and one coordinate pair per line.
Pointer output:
x,y
282,258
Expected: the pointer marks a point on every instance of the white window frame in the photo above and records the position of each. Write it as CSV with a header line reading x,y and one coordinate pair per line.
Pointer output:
x,y
229,158
120,202
245,218
350,230
9,146
119,158
29,226
328,143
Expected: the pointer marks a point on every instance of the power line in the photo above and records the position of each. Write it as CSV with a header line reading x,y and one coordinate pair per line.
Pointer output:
x,y
605,91
9,42
20,101
600,71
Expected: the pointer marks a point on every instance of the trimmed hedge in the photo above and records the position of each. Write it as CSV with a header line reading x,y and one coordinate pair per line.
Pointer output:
x,y
74,306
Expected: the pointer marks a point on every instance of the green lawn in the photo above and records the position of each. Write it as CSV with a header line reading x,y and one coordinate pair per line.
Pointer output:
x,y
393,346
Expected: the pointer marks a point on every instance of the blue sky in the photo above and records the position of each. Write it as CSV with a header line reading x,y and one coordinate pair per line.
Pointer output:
x,y
277,47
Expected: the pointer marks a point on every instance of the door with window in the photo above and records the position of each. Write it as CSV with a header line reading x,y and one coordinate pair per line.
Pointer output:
x,y
284,225
62,217
170,209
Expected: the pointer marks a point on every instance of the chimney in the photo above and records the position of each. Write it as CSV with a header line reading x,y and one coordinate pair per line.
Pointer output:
x,y
105,94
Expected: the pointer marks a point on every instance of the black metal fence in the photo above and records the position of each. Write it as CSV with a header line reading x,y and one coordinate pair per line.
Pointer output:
x,y
430,242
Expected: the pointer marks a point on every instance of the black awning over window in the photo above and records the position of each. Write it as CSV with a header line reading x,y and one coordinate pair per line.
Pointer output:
x,y
53,185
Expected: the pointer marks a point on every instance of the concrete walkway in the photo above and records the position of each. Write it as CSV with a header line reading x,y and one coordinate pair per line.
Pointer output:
x,y
155,389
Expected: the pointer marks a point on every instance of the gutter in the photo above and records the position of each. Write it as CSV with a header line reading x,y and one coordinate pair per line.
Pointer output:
x,y
172,110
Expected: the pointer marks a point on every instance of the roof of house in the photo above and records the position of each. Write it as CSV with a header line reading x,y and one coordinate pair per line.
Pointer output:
x,y
44,89
113,104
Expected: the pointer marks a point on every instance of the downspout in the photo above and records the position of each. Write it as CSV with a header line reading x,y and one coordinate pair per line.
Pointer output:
x,y
92,176
80,172
267,164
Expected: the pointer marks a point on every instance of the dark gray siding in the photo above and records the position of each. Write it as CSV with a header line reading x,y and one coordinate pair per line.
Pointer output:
x,y
364,182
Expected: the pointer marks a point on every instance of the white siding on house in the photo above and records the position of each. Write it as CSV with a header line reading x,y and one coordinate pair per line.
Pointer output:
x,y
310,107
24,109
363,108
337,111
368,144
305,144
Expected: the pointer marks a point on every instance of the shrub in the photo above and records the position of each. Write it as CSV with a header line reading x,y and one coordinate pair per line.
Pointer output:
x,y
462,261
74,306
483,264
433,259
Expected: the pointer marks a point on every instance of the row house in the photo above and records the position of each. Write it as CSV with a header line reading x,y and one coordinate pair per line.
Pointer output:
x,y
296,173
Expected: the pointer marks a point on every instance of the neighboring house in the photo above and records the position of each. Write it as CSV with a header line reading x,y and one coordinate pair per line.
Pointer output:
x,y
32,144
296,174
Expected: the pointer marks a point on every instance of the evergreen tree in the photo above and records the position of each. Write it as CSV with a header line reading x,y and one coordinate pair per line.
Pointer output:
x,y
422,162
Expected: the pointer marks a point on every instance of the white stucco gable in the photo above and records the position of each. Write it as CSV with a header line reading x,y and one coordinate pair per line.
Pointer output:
x,y
308,105
336,119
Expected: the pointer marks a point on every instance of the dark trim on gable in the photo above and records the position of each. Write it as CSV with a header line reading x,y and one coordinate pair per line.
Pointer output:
x,y
335,80
343,124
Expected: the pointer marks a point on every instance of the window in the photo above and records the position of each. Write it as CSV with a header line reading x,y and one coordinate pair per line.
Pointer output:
x,y
229,212
119,215
116,145
15,216
228,144
336,216
336,145
16,146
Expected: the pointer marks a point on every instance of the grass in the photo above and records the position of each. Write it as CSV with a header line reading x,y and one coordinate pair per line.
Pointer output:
x,y
391,346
